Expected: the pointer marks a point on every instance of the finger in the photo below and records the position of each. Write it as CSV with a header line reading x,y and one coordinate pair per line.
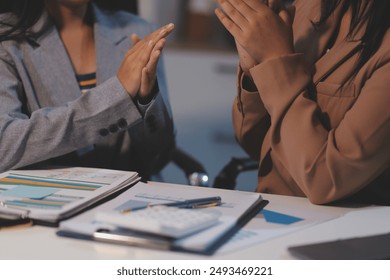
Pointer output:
x,y
149,73
255,5
144,88
230,9
147,43
140,55
135,39
152,64
160,45
286,17
160,33
155,36
230,26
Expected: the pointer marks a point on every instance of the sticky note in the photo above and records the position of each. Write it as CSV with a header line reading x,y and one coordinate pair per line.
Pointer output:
x,y
279,218
29,192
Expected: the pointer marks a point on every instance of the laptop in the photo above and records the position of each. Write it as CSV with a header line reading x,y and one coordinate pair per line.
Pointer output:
x,y
374,247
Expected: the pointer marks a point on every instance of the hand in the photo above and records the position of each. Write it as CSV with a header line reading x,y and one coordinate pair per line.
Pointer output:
x,y
148,77
246,60
262,33
144,54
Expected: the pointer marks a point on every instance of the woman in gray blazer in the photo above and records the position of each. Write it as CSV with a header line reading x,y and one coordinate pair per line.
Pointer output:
x,y
51,52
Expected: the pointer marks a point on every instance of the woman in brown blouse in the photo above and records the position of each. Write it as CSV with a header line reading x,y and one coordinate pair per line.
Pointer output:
x,y
313,96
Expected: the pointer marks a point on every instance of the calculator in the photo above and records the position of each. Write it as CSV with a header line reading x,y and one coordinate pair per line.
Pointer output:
x,y
162,220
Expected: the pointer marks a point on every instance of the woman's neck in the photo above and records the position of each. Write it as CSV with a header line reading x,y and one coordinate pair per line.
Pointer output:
x,y
75,26
67,16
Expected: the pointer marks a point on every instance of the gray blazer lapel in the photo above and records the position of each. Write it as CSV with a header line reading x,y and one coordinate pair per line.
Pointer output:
x,y
111,46
51,70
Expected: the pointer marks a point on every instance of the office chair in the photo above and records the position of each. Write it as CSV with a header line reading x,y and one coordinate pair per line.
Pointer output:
x,y
226,178
194,172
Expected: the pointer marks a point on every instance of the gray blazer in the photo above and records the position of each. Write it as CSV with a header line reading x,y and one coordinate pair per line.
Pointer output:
x,y
44,117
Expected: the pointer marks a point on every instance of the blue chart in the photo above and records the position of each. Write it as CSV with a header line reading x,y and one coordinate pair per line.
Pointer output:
x,y
279,218
38,192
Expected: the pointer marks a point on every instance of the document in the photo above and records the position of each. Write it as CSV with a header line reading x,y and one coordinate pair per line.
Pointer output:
x,y
47,196
236,209
276,220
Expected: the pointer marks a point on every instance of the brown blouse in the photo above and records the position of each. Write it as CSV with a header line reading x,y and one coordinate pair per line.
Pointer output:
x,y
315,134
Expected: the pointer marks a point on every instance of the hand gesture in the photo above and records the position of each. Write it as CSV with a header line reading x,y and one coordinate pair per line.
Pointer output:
x,y
137,72
148,77
261,32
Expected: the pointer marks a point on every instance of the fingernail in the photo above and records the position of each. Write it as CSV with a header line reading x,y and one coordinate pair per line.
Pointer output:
x,y
150,42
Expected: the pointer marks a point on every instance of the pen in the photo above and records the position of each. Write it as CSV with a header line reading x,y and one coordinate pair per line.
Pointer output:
x,y
190,203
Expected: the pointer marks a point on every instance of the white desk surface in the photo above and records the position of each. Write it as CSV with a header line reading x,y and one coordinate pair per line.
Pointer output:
x,y
42,243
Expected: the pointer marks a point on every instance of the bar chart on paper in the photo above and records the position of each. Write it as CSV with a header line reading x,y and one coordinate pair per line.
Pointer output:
x,y
53,194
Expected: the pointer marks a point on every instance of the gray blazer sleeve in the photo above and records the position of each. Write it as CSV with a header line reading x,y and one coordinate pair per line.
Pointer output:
x,y
44,116
154,137
27,138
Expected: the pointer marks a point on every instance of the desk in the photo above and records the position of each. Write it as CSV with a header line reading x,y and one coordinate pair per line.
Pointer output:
x,y
27,243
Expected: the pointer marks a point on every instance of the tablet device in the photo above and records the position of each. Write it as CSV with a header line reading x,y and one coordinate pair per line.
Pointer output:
x,y
374,247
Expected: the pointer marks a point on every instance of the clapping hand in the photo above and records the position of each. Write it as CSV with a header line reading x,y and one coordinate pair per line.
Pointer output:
x,y
137,72
261,30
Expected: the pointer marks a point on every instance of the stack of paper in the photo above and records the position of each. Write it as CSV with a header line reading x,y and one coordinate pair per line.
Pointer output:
x,y
51,195
236,209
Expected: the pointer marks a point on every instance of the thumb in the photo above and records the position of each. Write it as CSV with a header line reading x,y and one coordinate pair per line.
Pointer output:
x,y
135,38
288,15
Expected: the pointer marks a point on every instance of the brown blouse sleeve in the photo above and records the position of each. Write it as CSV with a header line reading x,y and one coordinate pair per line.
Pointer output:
x,y
250,119
326,164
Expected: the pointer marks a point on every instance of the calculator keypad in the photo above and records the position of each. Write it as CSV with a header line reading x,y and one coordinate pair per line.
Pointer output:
x,y
162,220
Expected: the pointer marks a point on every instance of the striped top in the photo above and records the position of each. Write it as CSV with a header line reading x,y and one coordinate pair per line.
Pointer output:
x,y
86,81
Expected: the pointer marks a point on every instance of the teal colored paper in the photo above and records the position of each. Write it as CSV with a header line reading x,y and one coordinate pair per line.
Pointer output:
x,y
29,192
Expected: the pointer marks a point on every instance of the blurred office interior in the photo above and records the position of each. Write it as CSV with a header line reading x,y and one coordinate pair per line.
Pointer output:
x,y
201,63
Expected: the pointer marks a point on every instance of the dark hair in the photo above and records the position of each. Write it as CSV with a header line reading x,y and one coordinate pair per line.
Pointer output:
x,y
374,13
23,14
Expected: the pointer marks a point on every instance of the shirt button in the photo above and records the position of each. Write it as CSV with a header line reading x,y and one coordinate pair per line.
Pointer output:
x,y
104,132
113,128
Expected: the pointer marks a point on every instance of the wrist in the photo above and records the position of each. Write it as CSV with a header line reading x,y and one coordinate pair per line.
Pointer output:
x,y
144,100
130,91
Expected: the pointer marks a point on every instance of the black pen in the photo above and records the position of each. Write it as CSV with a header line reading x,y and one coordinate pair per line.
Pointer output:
x,y
190,203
